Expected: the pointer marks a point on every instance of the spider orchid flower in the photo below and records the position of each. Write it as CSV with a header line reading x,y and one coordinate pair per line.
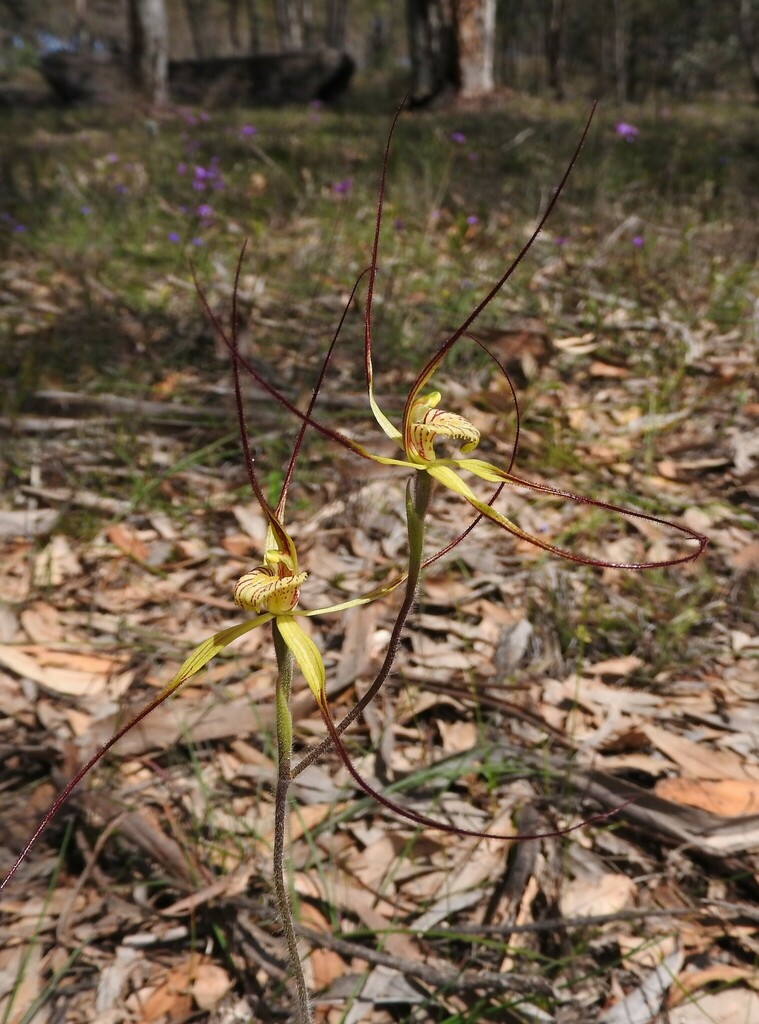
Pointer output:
x,y
270,590
424,423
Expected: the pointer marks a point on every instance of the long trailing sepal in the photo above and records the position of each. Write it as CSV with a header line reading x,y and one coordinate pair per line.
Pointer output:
x,y
199,658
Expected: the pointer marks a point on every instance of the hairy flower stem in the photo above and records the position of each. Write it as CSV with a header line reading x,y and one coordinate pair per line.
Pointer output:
x,y
417,501
285,663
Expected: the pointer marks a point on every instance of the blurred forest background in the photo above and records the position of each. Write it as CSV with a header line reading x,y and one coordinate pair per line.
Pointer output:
x,y
630,49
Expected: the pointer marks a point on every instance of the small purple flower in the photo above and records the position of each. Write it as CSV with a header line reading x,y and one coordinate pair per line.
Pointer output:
x,y
458,137
204,210
248,129
85,210
626,131
173,236
207,177
342,188
399,224
19,229
121,189
559,240
182,168
473,219
111,158
637,241
197,241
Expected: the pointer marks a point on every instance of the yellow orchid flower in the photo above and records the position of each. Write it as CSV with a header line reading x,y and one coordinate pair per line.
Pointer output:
x,y
270,590
424,423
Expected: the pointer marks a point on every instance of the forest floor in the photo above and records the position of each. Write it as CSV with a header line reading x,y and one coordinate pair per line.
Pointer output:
x,y
530,693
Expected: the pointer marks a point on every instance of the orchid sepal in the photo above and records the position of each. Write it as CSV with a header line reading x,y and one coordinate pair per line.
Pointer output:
x,y
450,479
208,650
389,428
306,654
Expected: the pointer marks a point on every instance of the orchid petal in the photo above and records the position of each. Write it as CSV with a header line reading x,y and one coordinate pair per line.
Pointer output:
x,y
355,602
208,650
435,361
450,479
392,432
384,460
307,655
423,820
197,659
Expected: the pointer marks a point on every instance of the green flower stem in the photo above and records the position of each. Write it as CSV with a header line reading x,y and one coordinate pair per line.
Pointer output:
x,y
417,503
285,663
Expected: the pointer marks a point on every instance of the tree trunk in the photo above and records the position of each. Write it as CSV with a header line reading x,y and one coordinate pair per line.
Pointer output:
x,y
289,28
254,27
620,50
749,36
451,45
334,34
475,43
307,24
432,47
195,10
149,47
554,32
233,23
81,31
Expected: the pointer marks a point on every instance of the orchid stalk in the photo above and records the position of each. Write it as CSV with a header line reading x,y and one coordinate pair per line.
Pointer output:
x,y
271,592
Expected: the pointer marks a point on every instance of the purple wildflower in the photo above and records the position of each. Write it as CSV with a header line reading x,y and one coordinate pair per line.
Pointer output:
x,y
19,228
343,187
173,236
458,137
85,210
626,131
182,168
637,241
204,210
197,241
473,219
248,129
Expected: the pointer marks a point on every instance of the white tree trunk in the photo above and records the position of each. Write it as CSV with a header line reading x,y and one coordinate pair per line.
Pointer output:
x,y
149,44
475,33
